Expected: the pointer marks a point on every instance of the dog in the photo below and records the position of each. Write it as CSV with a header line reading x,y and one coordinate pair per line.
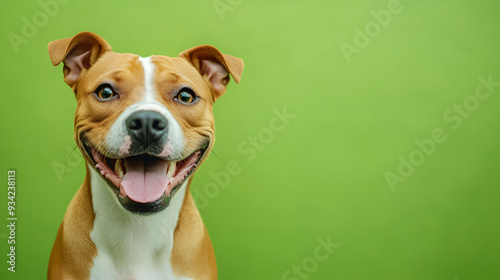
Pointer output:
x,y
143,126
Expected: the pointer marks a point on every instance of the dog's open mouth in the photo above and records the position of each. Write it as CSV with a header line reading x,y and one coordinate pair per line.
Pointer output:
x,y
145,183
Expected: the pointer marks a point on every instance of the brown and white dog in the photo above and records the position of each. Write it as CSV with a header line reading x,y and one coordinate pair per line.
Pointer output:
x,y
143,126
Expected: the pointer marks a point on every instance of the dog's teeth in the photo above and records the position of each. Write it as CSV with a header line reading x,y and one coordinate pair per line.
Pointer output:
x,y
171,169
119,168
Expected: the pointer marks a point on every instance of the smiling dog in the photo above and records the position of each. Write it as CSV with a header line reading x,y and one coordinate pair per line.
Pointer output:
x,y
143,125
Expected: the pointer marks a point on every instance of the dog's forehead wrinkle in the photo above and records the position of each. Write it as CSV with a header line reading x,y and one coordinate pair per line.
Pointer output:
x,y
117,73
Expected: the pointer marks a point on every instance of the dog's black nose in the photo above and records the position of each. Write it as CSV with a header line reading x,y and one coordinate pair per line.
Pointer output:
x,y
146,126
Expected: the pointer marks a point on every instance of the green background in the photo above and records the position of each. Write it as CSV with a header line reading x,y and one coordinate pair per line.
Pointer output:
x,y
323,174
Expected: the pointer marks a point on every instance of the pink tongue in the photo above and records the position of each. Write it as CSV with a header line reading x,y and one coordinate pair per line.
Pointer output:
x,y
145,178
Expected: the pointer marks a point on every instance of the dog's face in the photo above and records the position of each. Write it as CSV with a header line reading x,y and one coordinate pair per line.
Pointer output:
x,y
144,124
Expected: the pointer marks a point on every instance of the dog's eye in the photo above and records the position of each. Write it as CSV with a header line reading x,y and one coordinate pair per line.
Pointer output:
x,y
186,96
104,92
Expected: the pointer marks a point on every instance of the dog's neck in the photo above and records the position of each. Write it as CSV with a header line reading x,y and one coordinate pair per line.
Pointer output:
x,y
134,244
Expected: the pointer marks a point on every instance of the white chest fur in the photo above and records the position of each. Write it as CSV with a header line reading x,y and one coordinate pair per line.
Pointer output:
x,y
132,247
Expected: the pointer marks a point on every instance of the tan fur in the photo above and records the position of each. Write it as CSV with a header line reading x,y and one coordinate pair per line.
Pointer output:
x,y
192,245
70,259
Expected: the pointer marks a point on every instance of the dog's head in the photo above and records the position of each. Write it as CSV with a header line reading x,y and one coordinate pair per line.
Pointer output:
x,y
144,124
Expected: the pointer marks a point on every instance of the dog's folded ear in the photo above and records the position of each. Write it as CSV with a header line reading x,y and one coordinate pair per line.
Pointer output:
x,y
215,66
78,53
